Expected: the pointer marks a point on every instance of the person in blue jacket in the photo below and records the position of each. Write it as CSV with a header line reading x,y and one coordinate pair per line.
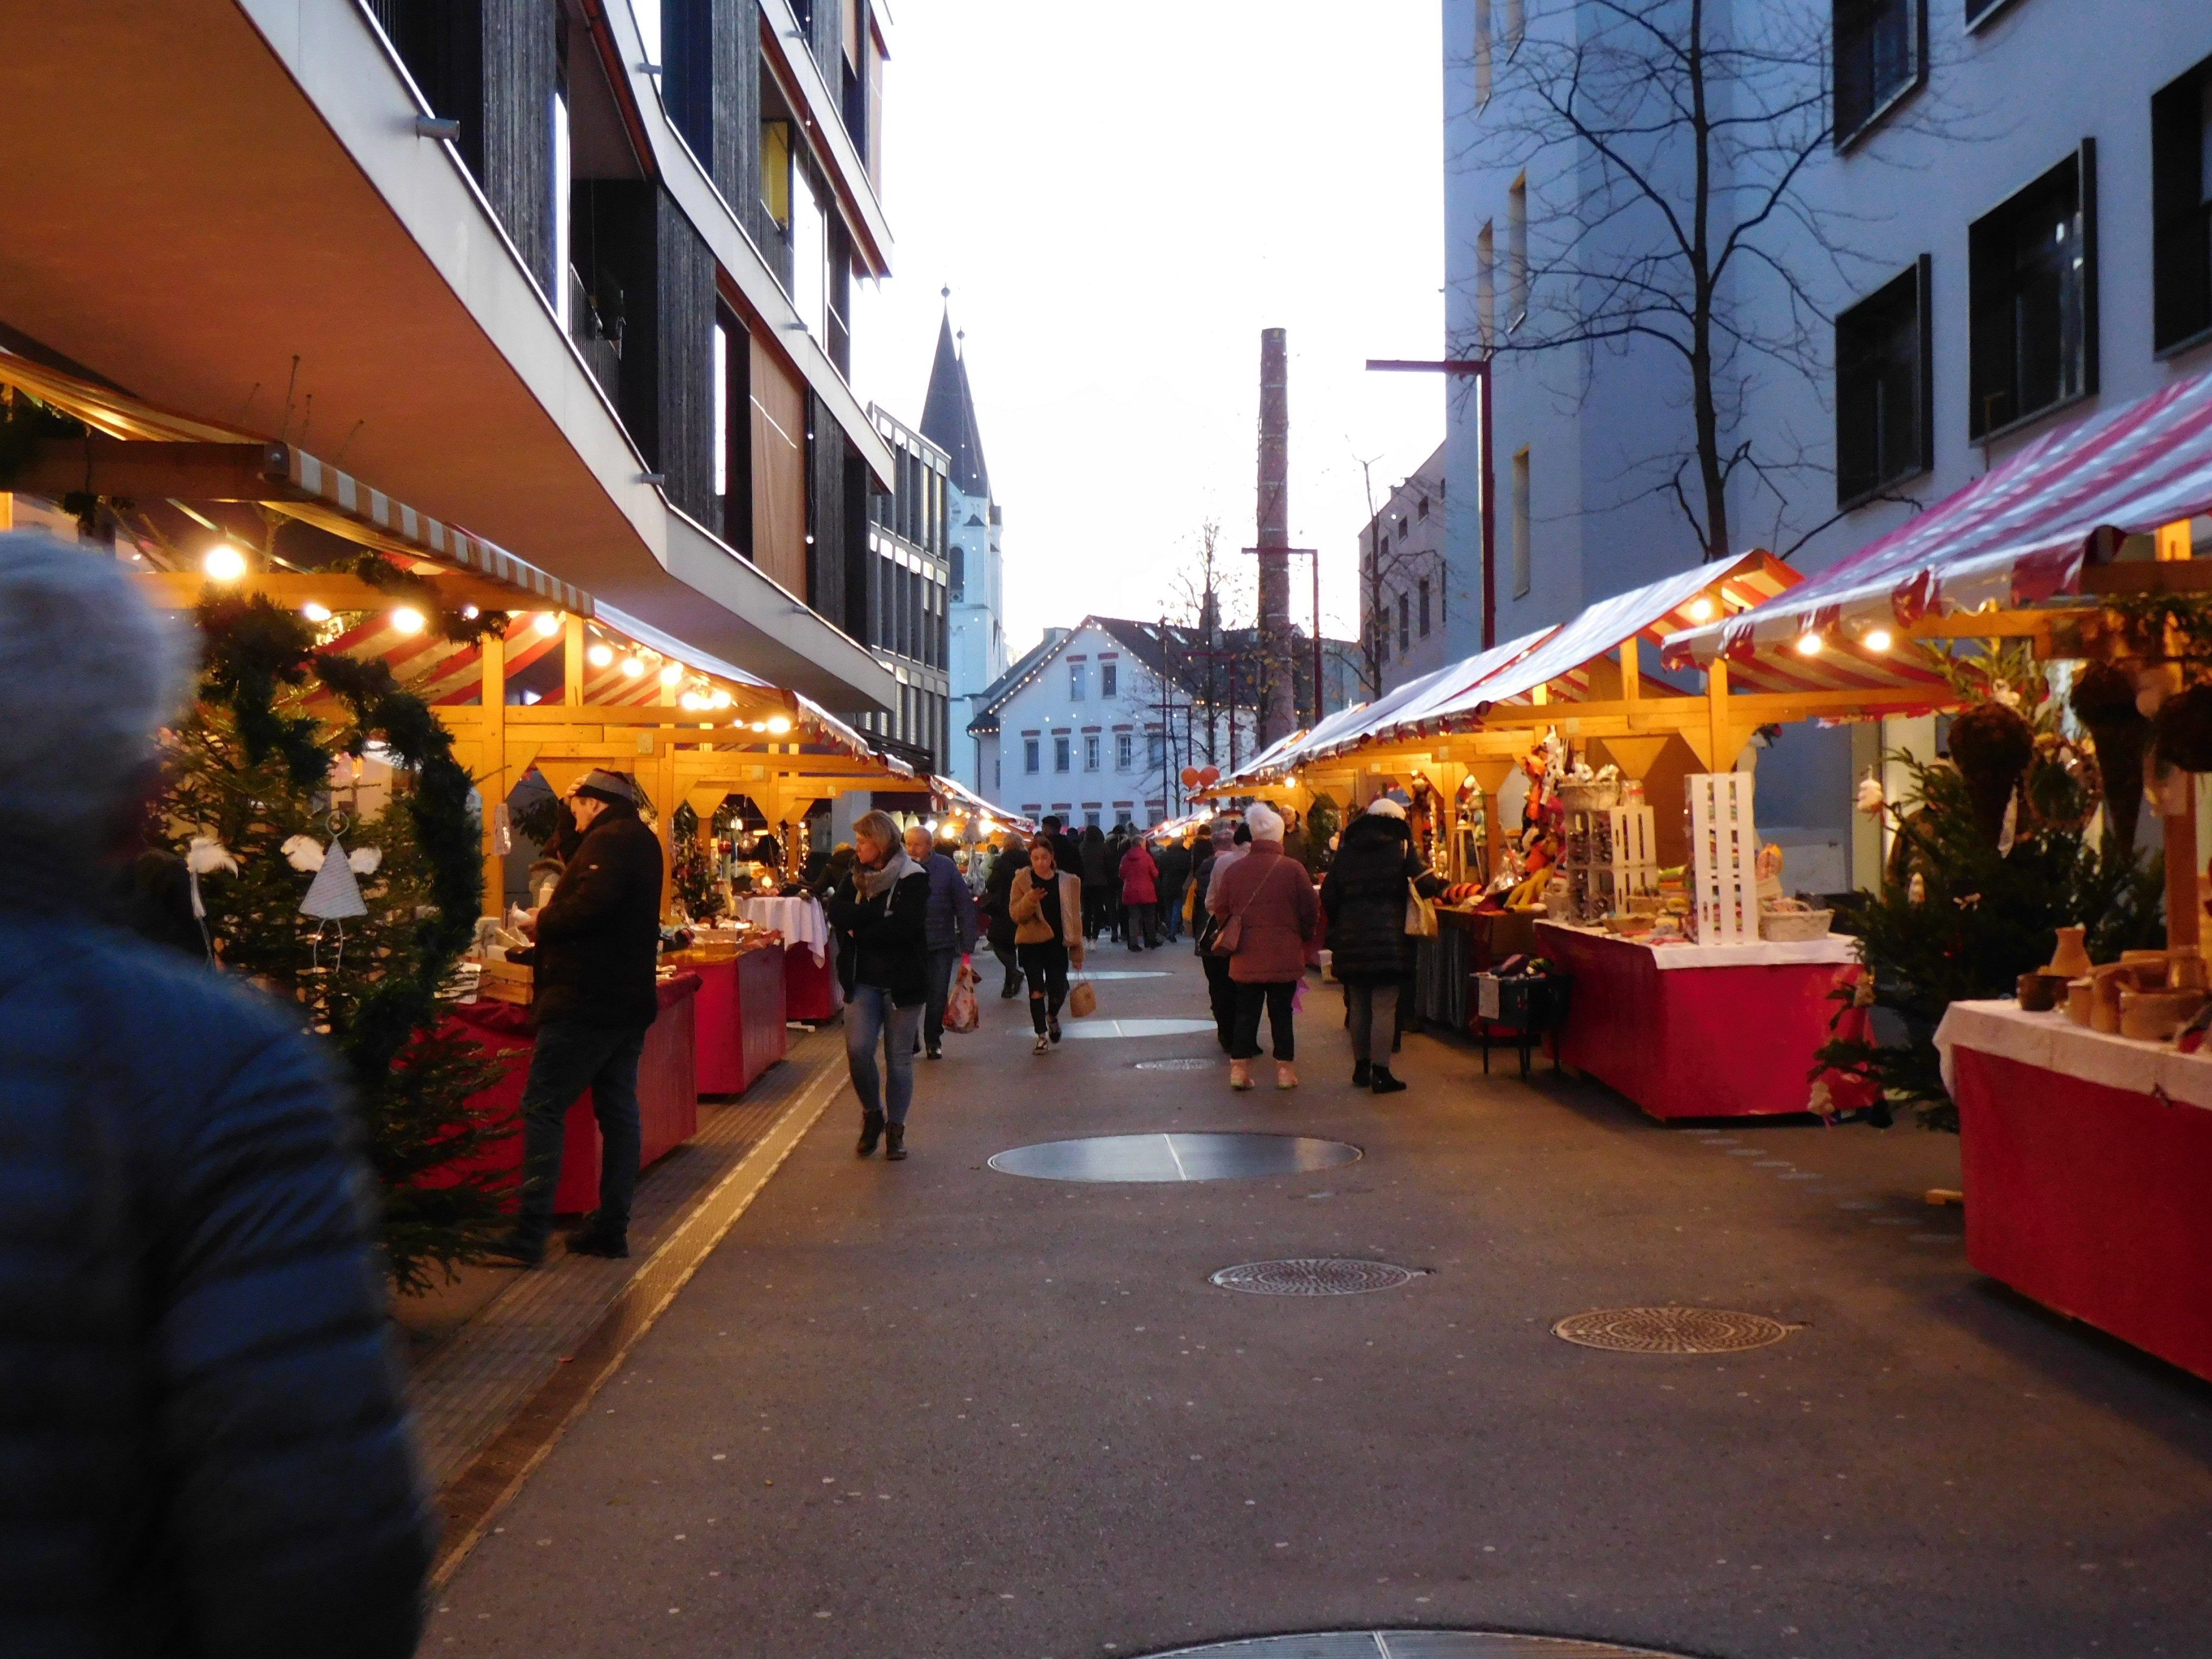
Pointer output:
x,y
952,932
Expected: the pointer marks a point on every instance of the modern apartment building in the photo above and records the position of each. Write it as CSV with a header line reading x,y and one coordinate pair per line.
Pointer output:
x,y
573,275
907,611
2000,219
1405,592
978,653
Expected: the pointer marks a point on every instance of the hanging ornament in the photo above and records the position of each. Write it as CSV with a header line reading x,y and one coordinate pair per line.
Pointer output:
x,y
304,853
205,857
334,894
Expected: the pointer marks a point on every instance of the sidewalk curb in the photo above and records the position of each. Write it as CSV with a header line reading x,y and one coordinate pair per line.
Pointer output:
x,y
474,1499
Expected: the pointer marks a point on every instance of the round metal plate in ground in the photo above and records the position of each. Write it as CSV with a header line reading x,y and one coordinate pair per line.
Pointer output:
x,y
1192,1063
1315,1275
1670,1330
1412,1644
1174,1158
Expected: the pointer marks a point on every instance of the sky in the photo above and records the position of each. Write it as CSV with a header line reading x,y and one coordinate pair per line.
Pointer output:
x,y
1121,197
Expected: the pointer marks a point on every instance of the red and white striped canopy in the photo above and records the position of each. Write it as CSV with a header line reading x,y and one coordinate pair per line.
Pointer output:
x,y
2018,535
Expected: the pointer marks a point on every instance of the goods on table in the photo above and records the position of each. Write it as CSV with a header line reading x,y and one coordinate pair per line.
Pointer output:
x,y
1723,858
1610,857
2152,996
1793,919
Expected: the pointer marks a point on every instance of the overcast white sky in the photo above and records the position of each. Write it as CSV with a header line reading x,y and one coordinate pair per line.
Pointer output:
x,y
1121,196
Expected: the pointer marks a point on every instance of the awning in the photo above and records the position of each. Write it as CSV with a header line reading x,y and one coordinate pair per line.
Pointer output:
x,y
2019,535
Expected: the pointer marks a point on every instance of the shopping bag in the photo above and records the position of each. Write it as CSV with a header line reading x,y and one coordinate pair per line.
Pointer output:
x,y
962,1012
1420,913
1082,999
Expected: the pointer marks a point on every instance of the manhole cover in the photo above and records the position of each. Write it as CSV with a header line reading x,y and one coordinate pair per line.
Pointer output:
x,y
1194,1063
1412,1644
1174,1158
1315,1275
1670,1330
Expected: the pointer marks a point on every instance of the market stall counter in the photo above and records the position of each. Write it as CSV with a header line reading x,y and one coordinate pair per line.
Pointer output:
x,y
810,964
667,1090
2087,1161
1691,1030
740,1014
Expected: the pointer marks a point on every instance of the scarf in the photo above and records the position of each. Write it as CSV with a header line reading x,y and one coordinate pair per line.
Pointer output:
x,y
875,882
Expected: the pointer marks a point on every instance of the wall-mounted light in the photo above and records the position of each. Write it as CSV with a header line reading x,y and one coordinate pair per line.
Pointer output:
x,y
315,613
1701,608
779,724
671,673
1809,645
223,564
600,653
548,624
407,620
1877,639
633,669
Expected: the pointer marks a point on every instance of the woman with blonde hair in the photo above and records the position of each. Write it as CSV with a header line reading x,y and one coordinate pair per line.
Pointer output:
x,y
1046,905
880,913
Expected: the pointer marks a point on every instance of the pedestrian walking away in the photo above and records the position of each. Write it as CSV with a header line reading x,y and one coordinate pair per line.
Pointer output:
x,y
1269,921
1141,899
1046,905
1226,845
881,911
1097,874
998,919
1173,861
950,933
598,946
203,1448
1365,897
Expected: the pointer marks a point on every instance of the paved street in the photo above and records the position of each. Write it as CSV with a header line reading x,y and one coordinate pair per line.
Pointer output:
x,y
934,1409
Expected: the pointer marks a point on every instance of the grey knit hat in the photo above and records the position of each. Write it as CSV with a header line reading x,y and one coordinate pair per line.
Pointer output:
x,y
611,786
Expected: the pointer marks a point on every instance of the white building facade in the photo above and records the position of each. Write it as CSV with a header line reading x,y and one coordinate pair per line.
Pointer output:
x,y
1405,583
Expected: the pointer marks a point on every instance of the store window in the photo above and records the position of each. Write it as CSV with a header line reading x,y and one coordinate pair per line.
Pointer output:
x,y
1880,54
1884,426
2181,206
2033,298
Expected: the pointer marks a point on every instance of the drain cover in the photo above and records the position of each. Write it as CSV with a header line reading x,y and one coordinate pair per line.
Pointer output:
x,y
1194,1063
1315,1275
1173,1157
1670,1330
1412,1644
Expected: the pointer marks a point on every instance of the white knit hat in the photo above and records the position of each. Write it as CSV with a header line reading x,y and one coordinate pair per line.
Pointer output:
x,y
1383,807
1264,822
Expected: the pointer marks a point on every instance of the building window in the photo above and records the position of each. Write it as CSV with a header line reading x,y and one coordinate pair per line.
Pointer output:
x,y
1075,679
2181,206
1521,560
1881,50
1884,374
1156,748
1109,675
1029,754
1425,607
1485,286
1424,513
1517,24
1405,624
1060,751
2032,297
1517,253
1125,744
1482,67
1090,751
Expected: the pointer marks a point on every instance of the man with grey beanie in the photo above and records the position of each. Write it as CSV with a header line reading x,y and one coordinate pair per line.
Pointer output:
x,y
203,1446
599,944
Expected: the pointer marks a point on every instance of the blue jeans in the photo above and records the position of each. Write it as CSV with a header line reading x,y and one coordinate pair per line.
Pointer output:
x,y
569,1058
870,1018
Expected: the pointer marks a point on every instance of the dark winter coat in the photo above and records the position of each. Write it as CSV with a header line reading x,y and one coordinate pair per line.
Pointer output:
x,y
886,939
598,936
998,918
203,1446
1364,895
952,919
1097,865
1174,862
1275,897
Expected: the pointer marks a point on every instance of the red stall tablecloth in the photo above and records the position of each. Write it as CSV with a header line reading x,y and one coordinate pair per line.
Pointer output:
x,y
667,1092
2087,1164
741,1019
810,989
1698,1040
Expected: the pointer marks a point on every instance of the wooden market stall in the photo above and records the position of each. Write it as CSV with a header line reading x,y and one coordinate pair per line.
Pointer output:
x,y
1683,1029
2087,1153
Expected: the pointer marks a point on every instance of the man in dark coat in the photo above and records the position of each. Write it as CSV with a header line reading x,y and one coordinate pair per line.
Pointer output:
x,y
998,918
203,1448
1364,896
951,931
599,944
1174,859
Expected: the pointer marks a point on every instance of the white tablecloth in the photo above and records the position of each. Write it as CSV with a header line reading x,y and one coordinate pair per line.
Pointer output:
x,y
1837,948
800,920
2056,1043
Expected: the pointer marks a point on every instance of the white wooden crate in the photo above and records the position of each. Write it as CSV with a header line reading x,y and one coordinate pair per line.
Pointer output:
x,y
1723,858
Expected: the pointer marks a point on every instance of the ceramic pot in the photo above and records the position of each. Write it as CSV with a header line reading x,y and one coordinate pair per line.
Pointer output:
x,y
2155,1016
2078,993
2071,959
2039,992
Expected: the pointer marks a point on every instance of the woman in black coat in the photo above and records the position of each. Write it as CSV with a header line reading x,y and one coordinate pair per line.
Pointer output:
x,y
999,917
1365,896
880,914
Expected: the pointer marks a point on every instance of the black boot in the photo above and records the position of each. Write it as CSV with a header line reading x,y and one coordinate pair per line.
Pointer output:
x,y
1383,1083
871,1131
894,1142
1362,1071
516,1249
598,1237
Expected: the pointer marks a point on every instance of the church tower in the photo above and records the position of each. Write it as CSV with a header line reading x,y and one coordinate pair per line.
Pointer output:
x,y
977,655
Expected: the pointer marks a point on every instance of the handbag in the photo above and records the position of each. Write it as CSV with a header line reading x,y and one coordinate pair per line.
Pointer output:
x,y
1420,913
1230,934
1082,999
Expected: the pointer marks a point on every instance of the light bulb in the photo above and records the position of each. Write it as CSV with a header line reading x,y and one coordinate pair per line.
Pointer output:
x,y
1701,608
315,613
692,700
407,620
1808,645
549,623
720,698
1878,640
671,674
632,668
469,611
223,562
600,655
779,724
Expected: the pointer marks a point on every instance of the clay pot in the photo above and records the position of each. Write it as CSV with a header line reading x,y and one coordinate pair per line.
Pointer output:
x,y
2078,994
2039,992
2071,959
2155,1016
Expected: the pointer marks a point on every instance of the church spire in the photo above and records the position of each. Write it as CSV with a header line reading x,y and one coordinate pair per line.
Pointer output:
x,y
948,413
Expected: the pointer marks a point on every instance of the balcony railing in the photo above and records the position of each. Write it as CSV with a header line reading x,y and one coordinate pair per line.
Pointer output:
x,y
601,346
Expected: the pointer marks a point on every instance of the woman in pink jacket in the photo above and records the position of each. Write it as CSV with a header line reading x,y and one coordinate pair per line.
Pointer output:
x,y
1274,896
1140,897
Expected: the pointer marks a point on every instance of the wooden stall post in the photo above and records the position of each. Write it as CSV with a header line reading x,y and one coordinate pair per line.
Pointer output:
x,y
572,661
2184,908
1490,772
494,786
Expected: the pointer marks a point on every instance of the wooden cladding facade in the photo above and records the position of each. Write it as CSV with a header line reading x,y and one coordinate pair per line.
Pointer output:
x,y
779,508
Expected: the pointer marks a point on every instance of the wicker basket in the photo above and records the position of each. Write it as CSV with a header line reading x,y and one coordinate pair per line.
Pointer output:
x,y
1589,797
1794,927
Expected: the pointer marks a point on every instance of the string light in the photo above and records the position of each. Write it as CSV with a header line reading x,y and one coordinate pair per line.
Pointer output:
x,y
720,698
1809,645
223,562
407,620
1701,608
600,655
633,669
548,622
315,613
1878,640
693,701
779,724
671,674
